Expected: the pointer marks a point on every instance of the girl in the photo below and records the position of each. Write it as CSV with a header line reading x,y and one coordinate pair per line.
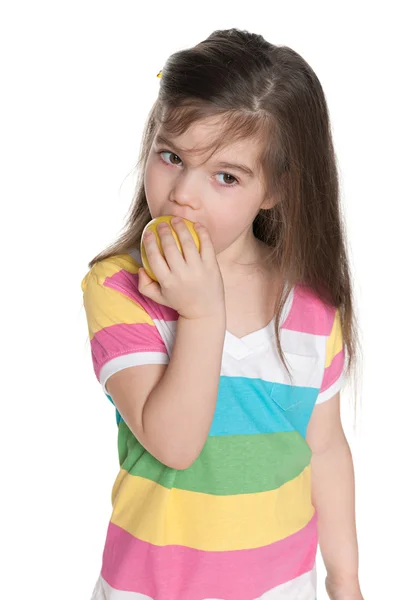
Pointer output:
x,y
225,373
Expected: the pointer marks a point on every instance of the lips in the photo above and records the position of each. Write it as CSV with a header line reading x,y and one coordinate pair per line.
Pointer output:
x,y
180,216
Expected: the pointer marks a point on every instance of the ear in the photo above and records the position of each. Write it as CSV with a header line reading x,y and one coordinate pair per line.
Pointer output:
x,y
271,200
268,203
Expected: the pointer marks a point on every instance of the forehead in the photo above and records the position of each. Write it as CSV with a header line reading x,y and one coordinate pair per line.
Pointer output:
x,y
209,137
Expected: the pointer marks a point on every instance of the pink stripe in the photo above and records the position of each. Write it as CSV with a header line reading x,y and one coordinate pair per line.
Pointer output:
x,y
118,340
333,372
169,572
127,284
309,314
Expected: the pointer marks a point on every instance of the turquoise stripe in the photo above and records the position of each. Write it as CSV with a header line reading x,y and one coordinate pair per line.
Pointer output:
x,y
251,406
246,406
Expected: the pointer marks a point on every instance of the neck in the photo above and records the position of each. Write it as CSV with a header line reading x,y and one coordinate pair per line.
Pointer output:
x,y
246,256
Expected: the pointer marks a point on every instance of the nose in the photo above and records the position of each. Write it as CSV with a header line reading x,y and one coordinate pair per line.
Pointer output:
x,y
186,190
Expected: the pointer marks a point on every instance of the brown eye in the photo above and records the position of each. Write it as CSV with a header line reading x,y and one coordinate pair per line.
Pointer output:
x,y
227,179
173,160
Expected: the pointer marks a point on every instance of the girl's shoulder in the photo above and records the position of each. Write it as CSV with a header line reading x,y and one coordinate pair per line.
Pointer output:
x,y
111,287
116,268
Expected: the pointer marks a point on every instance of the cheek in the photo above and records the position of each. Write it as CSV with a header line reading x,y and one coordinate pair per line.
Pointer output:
x,y
224,227
153,186
228,222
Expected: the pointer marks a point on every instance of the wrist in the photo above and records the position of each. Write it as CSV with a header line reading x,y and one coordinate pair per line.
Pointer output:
x,y
217,318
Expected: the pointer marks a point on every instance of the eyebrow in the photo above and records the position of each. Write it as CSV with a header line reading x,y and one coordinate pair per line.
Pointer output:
x,y
243,168
159,139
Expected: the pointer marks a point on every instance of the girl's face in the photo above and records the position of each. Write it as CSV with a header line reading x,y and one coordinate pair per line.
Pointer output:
x,y
225,193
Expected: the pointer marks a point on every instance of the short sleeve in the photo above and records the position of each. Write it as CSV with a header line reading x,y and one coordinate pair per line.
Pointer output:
x,y
121,321
333,378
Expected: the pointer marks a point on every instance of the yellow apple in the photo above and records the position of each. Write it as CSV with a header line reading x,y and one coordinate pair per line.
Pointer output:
x,y
153,227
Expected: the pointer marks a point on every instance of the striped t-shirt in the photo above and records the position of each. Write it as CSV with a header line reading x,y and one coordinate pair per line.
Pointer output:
x,y
239,523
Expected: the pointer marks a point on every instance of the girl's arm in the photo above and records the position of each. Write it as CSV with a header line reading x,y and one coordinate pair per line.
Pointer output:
x,y
334,499
170,412
170,409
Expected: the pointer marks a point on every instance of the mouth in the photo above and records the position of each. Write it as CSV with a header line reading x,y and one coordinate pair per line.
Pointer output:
x,y
179,216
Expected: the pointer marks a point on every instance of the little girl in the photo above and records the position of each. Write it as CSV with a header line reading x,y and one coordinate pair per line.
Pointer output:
x,y
226,371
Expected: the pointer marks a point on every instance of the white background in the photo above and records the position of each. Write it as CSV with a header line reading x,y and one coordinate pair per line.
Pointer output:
x,y
78,79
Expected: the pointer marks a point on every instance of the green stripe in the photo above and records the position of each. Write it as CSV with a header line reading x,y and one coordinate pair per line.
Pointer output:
x,y
227,465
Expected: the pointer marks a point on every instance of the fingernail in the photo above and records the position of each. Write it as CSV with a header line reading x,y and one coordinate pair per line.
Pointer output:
x,y
176,220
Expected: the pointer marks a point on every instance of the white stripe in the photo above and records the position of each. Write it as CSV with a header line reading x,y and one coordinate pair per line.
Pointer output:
x,y
167,331
130,360
305,355
300,588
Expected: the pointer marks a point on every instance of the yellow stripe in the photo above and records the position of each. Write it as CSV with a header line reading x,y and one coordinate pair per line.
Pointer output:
x,y
335,341
104,306
164,516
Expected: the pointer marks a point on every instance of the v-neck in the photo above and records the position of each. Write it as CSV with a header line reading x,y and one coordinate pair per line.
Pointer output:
x,y
240,347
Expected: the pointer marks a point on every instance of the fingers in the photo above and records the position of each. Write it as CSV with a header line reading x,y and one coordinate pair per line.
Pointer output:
x,y
172,254
173,259
157,262
207,251
189,248
144,279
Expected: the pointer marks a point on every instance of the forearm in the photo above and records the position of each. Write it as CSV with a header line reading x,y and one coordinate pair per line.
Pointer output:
x,y
179,411
334,499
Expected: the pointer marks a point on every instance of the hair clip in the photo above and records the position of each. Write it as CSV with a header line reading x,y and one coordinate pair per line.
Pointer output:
x,y
159,75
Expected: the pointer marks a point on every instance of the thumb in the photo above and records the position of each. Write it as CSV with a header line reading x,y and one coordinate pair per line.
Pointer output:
x,y
148,287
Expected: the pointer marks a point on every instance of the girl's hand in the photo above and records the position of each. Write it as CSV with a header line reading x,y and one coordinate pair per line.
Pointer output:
x,y
343,591
190,283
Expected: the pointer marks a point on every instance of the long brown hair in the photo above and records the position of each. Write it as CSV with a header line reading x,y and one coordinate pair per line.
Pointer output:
x,y
261,89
